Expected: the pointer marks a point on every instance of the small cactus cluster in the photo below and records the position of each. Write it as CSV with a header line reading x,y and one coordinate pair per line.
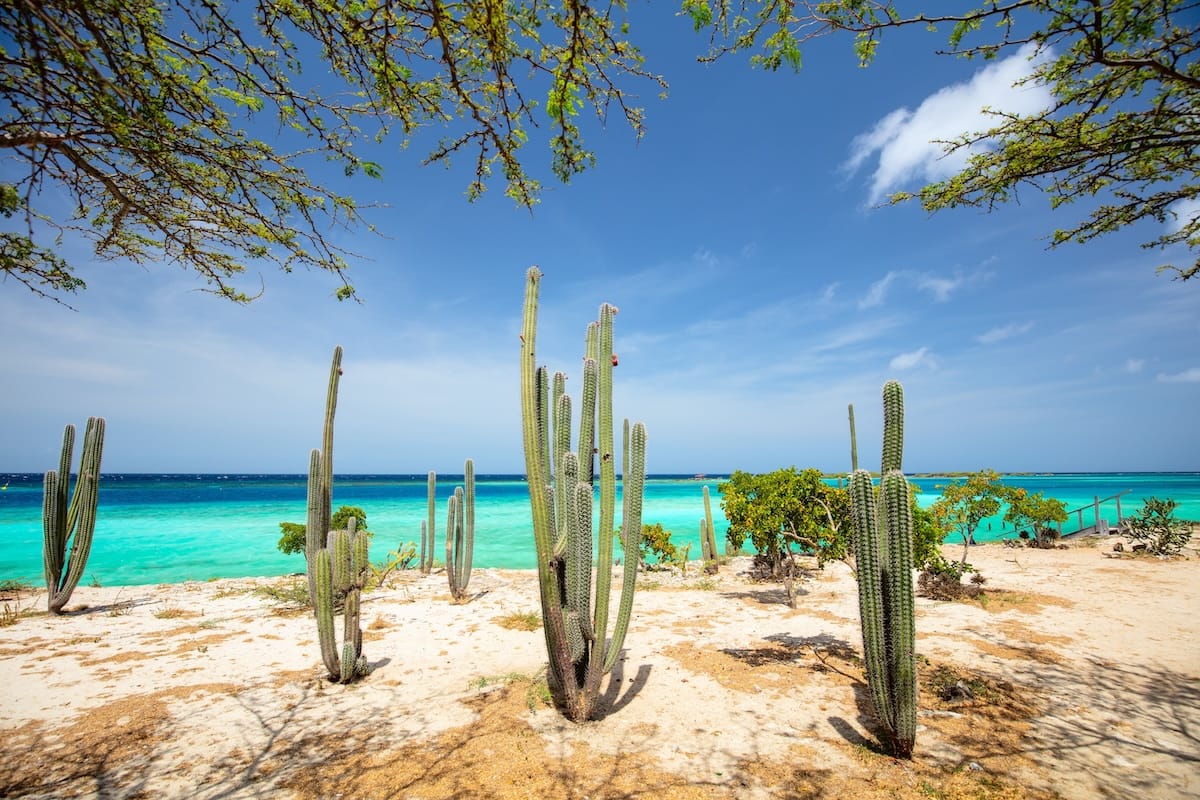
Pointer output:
x,y
64,514
460,534
337,560
708,539
561,495
884,554
340,573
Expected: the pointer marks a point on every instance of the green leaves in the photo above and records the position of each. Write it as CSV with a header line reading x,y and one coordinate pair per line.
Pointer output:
x,y
775,508
1122,129
137,111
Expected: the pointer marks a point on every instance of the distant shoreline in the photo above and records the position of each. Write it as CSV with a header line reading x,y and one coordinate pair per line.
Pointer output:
x,y
671,476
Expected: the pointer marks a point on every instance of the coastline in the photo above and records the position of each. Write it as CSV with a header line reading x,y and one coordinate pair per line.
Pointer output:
x,y
1084,666
188,527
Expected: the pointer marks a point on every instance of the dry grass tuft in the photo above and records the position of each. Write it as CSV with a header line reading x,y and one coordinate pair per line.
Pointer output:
x,y
520,621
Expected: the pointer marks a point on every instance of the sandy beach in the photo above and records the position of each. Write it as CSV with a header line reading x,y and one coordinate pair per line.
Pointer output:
x,y
1078,676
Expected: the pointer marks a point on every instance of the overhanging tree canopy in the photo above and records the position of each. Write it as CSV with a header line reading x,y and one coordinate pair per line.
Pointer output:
x,y
1123,127
137,111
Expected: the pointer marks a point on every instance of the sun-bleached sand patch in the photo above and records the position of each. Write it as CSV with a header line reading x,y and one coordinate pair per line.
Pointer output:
x,y
1080,683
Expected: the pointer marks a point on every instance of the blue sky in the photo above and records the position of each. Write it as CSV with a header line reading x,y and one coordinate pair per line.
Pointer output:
x,y
760,291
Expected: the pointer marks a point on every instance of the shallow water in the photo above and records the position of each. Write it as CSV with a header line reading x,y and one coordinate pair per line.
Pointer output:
x,y
170,528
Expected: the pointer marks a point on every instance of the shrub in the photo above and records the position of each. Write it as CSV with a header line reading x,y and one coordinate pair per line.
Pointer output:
x,y
787,511
292,538
656,543
1156,527
944,582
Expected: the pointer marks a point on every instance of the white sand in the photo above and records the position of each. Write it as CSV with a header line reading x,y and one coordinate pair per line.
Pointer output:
x,y
206,691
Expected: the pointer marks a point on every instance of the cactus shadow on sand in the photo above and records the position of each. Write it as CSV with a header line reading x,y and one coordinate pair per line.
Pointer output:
x,y
613,699
775,595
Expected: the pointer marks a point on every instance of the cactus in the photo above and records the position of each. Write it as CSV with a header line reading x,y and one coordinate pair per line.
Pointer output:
x,y
853,445
561,495
460,535
337,560
427,528
61,519
708,539
340,571
883,550
320,479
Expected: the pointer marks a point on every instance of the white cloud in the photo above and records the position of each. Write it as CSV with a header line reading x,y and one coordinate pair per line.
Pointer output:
x,y
1134,365
940,287
917,358
907,141
1181,212
1187,376
1004,332
878,291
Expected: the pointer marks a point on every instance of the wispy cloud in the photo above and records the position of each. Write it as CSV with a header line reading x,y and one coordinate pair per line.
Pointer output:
x,y
1134,365
917,358
1004,332
878,291
940,286
908,141
1191,375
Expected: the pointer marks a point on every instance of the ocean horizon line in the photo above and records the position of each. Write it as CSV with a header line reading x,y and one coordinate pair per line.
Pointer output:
x,y
165,527
521,475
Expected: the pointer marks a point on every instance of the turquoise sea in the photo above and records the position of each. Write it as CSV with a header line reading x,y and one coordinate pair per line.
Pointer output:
x,y
170,528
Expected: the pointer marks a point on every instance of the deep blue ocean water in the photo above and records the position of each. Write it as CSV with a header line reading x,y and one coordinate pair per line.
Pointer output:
x,y
170,528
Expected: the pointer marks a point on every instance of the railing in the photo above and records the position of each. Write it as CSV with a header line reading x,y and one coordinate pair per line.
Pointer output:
x,y
1101,524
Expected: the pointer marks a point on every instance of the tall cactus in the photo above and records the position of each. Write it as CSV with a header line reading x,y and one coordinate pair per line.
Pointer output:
x,y
708,537
337,560
340,571
561,495
62,518
320,479
460,534
883,550
427,528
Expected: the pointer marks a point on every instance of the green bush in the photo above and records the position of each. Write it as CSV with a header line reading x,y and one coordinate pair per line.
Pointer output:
x,y
292,538
779,509
1156,527
656,544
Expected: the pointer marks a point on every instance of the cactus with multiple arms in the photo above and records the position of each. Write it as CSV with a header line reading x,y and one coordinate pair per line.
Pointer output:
x,y
339,574
337,560
61,518
561,496
460,534
883,550
320,479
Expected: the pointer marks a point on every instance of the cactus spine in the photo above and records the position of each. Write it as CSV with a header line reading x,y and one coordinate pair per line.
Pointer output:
x,y
561,498
62,517
460,534
883,550
708,539
427,528
340,572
